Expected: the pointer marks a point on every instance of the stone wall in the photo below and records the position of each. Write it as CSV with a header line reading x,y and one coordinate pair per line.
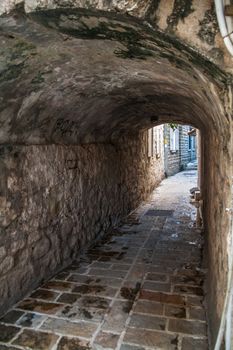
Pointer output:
x,y
217,197
55,199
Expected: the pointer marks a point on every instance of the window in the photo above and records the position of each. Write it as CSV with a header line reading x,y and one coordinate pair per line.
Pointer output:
x,y
159,140
174,140
150,142
155,141
190,142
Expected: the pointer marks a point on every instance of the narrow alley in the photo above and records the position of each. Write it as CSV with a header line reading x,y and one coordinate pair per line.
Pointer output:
x,y
99,102
139,287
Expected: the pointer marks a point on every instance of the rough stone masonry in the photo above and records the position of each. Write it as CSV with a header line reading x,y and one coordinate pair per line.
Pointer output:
x,y
78,88
57,198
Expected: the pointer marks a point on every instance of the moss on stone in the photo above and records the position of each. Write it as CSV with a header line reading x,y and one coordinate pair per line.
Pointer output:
x,y
193,57
23,47
75,25
38,79
15,58
151,11
12,71
134,52
181,10
208,26
139,40
105,30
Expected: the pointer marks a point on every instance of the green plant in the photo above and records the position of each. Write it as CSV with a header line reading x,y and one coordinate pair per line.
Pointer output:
x,y
173,126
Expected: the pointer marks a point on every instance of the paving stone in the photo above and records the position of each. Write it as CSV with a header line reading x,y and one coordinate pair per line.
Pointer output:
x,y
40,306
188,327
131,347
81,279
62,276
106,341
194,344
162,297
99,280
116,318
58,286
44,294
156,277
125,260
120,267
81,329
147,322
169,263
8,332
148,307
101,265
194,301
95,290
66,343
188,277
31,320
135,275
107,273
105,259
68,298
135,244
188,290
12,316
175,311
36,340
132,253
79,270
131,283
129,293
93,301
102,255
153,339
156,286
197,313
76,313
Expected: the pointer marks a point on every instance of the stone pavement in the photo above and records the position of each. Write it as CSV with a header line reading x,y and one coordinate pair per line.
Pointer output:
x,y
140,287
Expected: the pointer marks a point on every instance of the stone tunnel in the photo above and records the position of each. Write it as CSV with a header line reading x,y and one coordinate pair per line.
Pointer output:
x,y
81,82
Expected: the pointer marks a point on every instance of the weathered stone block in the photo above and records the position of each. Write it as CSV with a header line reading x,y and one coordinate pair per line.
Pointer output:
x,y
6,265
32,339
2,253
83,329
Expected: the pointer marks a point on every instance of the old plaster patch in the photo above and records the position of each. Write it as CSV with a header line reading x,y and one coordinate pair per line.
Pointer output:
x,y
208,26
28,103
181,10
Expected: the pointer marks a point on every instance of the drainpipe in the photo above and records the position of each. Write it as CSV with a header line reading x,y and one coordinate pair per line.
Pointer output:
x,y
225,25
229,324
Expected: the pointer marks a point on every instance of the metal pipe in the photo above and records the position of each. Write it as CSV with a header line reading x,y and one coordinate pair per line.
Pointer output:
x,y
225,29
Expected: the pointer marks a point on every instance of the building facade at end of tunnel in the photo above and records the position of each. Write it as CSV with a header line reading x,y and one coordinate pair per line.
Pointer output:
x,y
81,83
175,146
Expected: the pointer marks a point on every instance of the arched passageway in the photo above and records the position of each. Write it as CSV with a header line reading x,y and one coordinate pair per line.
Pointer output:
x,y
78,91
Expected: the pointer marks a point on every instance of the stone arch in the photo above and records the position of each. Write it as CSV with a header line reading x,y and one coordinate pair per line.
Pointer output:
x,y
79,77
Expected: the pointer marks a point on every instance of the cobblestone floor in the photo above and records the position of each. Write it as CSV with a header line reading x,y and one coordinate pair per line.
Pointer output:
x,y
139,288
